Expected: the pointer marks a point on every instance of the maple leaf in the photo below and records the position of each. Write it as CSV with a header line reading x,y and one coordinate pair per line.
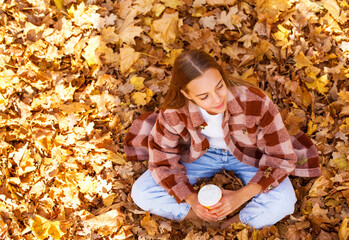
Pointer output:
x,y
90,52
165,30
42,228
137,82
270,9
281,36
318,84
109,35
302,60
128,56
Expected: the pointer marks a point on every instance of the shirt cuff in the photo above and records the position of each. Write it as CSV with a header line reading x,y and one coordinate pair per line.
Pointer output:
x,y
181,191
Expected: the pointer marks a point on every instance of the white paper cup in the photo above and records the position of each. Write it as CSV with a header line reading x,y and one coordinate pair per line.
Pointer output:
x,y
209,195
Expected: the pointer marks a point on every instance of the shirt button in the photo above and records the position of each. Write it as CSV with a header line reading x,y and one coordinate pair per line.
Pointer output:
x,y
206,149
271,187
201,126
244,132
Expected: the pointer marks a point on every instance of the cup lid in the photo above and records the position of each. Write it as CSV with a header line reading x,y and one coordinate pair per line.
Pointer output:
x,y
209,195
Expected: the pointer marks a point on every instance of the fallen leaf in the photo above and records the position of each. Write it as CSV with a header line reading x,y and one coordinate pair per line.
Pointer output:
x,y
150,225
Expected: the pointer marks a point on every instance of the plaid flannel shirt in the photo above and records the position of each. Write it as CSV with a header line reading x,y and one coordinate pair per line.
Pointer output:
x,y
254,133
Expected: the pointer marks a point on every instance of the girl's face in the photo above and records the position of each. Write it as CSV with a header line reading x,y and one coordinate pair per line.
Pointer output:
x,y
208,91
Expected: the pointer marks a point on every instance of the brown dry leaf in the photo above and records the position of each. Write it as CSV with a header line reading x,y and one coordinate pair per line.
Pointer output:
x,y
320,187
150,225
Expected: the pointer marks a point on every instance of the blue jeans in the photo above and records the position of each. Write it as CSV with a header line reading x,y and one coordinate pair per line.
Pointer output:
x,y
263,210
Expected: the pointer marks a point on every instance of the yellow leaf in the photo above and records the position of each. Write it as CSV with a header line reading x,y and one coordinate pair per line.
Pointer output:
x,y
139,98
117,158
7,78
90,52
88,184
143,6
128,56
332,7
149,95
129,34
319,84
158,9
172,3
59,4
243,235
150,225
281,36
109,35
270,9
311,128
343,233
137,82
171,57
344,127
165,30
42,228
302,60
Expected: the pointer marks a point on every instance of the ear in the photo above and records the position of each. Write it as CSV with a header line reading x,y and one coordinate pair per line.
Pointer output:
x,y
186,94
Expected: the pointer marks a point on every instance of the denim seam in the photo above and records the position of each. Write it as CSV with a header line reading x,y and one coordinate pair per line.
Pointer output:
x,y
184,213
244,219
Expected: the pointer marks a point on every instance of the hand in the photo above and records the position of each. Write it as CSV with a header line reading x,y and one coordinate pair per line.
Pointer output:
x,y
200,211
232,200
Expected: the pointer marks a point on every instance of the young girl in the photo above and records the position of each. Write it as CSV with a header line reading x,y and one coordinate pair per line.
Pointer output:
x,y
209,123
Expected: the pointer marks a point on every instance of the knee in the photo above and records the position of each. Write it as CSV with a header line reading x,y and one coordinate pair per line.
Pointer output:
x,y
138,194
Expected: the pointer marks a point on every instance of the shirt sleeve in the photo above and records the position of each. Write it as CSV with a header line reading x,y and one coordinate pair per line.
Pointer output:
x,y
164,155
278,159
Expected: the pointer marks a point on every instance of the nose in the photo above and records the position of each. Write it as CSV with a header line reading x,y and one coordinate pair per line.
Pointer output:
x,y
216,98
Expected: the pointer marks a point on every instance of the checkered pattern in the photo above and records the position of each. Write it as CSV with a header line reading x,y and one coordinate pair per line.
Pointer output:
x,y
253,130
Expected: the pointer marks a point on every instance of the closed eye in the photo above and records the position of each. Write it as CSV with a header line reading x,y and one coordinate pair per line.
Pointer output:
x,y
203,98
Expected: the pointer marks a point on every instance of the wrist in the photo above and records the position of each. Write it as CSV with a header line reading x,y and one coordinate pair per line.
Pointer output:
x,y
251,190
190,199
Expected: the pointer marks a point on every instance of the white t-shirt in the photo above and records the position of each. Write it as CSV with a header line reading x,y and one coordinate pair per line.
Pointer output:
x,y
213,131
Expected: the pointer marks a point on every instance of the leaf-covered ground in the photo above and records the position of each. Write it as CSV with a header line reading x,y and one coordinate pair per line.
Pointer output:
x,y
75,74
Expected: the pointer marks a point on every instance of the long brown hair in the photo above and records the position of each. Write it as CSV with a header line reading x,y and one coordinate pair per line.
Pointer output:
x,y
188,66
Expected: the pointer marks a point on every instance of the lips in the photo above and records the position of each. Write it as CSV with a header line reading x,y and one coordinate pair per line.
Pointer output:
x,y
220,106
